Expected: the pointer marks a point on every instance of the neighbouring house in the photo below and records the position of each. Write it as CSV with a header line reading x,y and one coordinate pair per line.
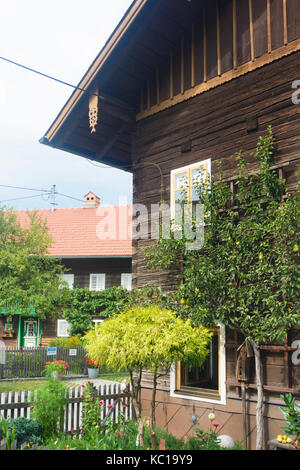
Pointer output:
x,y
94,259
179,86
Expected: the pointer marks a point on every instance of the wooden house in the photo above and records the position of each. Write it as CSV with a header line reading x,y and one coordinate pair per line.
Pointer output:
x,y
184,84
92,260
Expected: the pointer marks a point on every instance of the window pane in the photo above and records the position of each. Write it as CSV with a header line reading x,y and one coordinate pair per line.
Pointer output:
x,y
63,328
195,194
69,279
181,181
207,375
97,282
198,176
180,196
126,280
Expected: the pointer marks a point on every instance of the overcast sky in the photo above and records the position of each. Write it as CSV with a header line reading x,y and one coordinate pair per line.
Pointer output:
x,y
60,38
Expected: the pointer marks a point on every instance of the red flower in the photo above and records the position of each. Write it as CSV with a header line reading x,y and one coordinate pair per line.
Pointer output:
x,y
216,425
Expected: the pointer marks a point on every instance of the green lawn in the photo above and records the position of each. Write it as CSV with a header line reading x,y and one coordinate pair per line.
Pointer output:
x,y
115,378
29,385
20,385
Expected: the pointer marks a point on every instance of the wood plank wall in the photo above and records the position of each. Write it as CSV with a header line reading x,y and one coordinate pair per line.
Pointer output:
x,y
215,124
228,38
113,268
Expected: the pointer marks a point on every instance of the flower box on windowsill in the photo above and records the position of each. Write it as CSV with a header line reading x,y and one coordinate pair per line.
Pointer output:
x,y
6,335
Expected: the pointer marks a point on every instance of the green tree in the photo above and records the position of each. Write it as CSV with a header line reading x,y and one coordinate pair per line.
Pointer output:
x,y
147,338
247,273
28,277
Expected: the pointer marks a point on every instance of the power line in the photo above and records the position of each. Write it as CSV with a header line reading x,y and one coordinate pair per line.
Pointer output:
x,y
99,166
70,197
26,189
24,197
109,167
63,83
50,194
47,76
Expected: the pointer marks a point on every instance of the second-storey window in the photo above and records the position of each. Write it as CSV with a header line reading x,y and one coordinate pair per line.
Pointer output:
x,y
126,280
69,279
186,182
97,281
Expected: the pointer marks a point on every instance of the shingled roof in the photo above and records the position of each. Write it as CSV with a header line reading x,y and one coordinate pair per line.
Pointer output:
x,y
74,231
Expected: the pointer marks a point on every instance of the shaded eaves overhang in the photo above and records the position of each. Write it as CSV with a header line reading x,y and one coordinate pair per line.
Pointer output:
x,y
121,114
137,48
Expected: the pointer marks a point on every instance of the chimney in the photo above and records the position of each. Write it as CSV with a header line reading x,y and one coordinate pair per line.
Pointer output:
x,y
91,201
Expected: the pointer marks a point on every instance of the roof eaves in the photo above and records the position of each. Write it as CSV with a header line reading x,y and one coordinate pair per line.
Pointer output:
x,y
94,69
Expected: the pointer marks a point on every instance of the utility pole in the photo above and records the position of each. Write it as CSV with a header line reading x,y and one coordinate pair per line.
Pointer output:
x,y
52,198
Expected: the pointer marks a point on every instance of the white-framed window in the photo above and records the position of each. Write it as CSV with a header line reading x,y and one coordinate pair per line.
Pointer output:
x,y
63,328
97,281
69,279
126,280
97,321
185,183
206,383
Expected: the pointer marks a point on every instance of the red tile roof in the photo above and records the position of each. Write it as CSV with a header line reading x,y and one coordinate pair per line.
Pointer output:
x,y
87,232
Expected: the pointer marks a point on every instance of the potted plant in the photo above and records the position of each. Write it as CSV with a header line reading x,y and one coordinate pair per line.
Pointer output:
x,y
93,368
56,369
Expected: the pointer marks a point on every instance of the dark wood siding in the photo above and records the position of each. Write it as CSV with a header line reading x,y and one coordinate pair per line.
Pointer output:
x,y
112,267
243,32
223,36
226,24
260,28
216,124
277,23
293,19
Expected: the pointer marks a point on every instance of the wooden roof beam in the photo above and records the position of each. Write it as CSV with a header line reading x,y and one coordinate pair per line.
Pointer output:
x,y
77,99
112,141
116,108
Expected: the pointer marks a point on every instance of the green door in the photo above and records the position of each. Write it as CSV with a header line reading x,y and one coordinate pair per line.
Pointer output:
x,y
29,332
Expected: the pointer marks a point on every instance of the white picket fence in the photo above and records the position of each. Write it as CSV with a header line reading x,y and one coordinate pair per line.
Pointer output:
x,y
16,404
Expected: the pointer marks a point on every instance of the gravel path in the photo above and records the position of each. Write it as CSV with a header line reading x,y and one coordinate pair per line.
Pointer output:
x,y
96,382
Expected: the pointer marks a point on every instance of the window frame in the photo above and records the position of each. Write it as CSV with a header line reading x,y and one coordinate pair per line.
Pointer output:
x,y
199,394
90,281
59,321
68,276
206,164
122,284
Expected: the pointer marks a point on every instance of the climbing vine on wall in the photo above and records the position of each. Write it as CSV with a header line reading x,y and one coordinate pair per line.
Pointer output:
x,y
84,305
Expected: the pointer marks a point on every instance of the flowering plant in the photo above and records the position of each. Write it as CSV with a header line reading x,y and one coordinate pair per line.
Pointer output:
x,y
70,342
60,367
93,364
98,427
209,440
91,409
10,331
